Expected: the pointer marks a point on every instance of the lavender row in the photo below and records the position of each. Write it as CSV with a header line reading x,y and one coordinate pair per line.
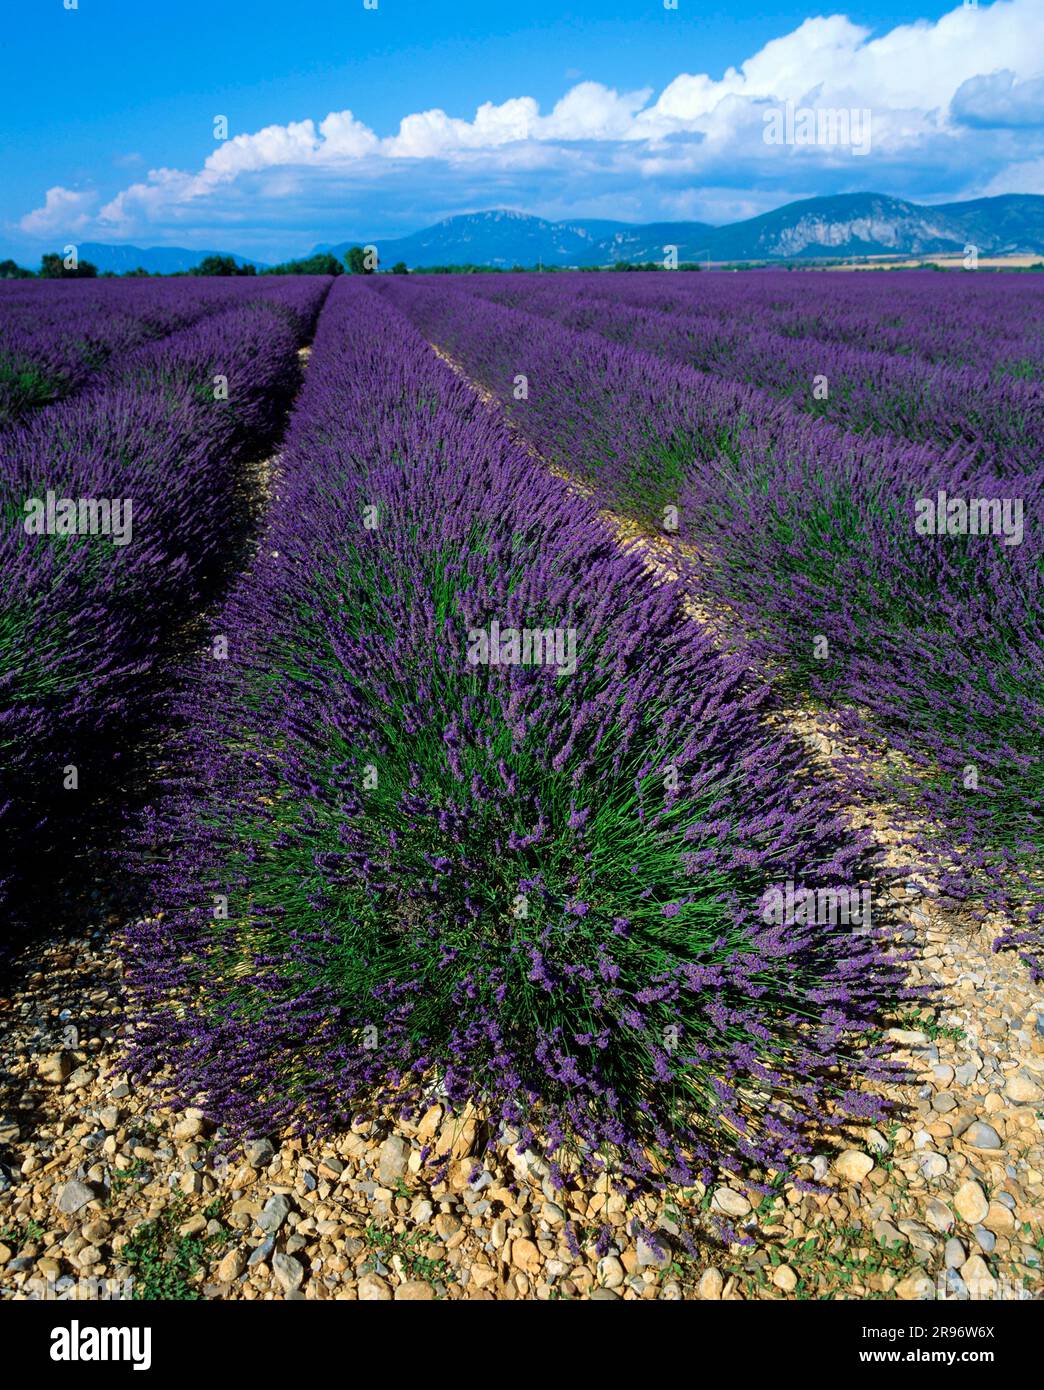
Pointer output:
x,y
896,586
412,857
54,336
118,509
995,423
989,322
57,336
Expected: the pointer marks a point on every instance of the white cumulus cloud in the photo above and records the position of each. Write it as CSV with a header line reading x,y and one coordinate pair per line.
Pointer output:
x,y
997,100
64,210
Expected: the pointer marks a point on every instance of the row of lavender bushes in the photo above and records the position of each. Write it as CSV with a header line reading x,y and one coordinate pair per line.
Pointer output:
x,y
86,621
996,423
986,321
57,336
388,872
802,532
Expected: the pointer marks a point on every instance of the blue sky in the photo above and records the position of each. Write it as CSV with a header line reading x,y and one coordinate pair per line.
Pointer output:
x,y
353,122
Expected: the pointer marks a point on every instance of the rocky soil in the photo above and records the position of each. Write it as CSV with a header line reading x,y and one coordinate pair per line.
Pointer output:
x,y
100,1187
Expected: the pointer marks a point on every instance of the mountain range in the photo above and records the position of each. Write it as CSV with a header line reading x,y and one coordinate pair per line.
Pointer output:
x,y
834,227
158,260
837,226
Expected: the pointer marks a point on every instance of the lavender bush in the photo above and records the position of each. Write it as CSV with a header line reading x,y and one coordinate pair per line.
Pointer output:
x,y
389,868
929,646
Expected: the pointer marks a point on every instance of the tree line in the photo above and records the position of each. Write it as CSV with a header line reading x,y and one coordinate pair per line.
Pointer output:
x,y
357,260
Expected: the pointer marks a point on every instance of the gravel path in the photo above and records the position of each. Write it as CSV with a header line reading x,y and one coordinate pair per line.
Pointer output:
x,y
948,1203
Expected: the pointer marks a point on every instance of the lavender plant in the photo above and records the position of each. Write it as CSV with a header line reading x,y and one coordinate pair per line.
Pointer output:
x,y
930,645
391,867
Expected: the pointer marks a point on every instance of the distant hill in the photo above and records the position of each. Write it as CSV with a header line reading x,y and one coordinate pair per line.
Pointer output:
x,y
159,260
846,224
868,224
495,238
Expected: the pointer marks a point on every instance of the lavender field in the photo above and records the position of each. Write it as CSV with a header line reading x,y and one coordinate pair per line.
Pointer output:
x,y
547,769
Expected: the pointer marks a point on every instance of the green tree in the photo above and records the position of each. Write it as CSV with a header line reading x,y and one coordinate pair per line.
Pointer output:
x,y
10,270
400,268
222,265
322,263
356,261
52,267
